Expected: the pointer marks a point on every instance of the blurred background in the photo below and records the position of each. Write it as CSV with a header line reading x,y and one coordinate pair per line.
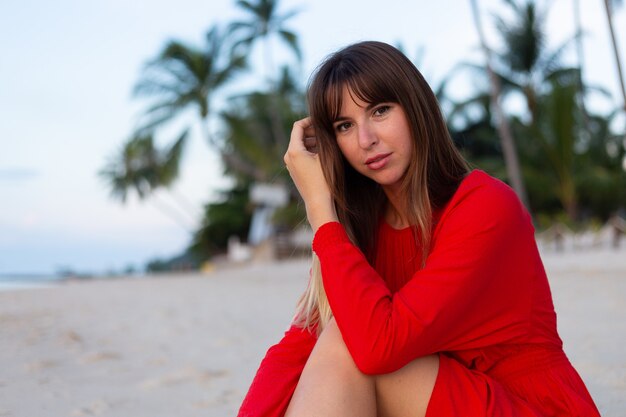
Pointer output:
x,y
148,135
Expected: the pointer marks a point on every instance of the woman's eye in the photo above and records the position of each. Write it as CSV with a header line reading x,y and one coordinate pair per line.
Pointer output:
x,y
381,110
342,127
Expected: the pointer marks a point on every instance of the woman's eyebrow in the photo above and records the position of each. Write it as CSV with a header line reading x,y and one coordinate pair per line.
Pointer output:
x,y
340,119
369,107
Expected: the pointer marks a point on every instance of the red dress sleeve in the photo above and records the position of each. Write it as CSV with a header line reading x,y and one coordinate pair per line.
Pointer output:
x,y
473,291
277,376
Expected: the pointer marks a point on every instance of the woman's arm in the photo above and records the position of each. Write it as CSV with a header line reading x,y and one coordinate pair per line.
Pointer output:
x,y
305,169
279,372
277,376
474,290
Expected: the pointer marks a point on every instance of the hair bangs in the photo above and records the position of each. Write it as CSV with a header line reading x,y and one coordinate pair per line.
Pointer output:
x,y
333,100
369,86
364,82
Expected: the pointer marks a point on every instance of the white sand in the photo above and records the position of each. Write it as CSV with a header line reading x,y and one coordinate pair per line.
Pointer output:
x,y
188,345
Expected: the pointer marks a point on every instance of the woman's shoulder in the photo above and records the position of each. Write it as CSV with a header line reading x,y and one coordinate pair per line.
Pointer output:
x,y
481,189
483,197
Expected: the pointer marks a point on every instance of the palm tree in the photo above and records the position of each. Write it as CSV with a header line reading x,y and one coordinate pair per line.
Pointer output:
x,y
265,22
251,150
253,153
525,63
609,6
184,76
141,167
602,184
550,91
582,169
227,217
555,129
504,130
471,125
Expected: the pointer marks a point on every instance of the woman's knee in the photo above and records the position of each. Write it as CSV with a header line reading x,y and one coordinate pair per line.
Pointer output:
x,y
407,391
421,373
330,381
331,346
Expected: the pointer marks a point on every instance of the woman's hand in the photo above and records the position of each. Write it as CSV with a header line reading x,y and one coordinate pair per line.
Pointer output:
x,y
303,164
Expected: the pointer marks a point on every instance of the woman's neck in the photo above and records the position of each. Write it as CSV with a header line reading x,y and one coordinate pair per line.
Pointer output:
x,y
395,215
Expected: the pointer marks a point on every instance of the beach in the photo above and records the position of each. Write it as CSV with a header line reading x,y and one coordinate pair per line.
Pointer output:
x,y
189,344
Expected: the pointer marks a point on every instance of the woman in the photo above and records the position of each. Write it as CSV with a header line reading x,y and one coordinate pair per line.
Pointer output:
x,y
434,298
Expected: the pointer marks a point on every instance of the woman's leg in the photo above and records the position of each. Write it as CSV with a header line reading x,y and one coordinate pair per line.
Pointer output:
x,y
332,385
407,391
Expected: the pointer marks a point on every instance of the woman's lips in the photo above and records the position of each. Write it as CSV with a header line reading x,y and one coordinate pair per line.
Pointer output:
x,y
378,161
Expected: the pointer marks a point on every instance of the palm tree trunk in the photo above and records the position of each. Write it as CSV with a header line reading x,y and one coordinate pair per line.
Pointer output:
x,y
206,130
581,64
171,212
185,204
504,129
609,18
568,196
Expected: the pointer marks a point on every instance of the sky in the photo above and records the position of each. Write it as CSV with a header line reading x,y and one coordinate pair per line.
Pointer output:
x,y
67,70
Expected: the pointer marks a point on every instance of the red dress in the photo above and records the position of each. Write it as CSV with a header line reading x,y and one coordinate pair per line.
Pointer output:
x,y
481,302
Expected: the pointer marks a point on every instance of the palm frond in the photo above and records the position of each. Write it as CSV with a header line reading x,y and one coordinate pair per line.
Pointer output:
x,y
169,166
154,87
288,15
246,5
523,37
157,119
292,40
238,26
552,60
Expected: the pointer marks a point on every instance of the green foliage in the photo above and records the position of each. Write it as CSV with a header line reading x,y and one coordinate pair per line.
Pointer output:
x,y
264,21
602,179
252,149
556,130
563,153
471,127
184,76
291,216
183,262
523,36
525,64
571,172
141,167
228,217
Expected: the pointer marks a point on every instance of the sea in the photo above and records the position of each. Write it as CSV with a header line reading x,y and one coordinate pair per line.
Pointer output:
x,y
12,282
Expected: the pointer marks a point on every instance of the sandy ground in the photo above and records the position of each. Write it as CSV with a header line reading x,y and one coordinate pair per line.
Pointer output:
x,y
189,345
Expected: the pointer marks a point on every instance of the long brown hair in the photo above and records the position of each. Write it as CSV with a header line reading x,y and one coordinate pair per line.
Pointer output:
x,y
376,72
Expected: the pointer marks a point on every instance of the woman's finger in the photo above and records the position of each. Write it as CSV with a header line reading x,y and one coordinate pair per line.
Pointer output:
x,y
310,143
309,140
302,137
309,131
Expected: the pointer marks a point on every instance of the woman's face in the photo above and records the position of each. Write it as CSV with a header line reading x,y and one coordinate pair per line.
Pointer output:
x,y
375,138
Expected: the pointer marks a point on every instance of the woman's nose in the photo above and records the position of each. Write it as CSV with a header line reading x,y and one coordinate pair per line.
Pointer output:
x,y
367,137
